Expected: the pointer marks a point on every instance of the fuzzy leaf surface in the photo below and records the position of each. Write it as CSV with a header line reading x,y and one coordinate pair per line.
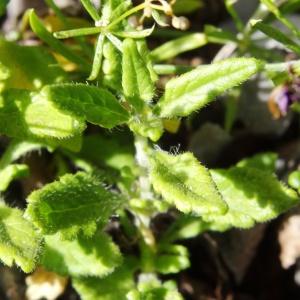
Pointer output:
x,y
112,287
29,115
74,204
184,182
97,105
195,89
253,195
19,242
97,256
136,79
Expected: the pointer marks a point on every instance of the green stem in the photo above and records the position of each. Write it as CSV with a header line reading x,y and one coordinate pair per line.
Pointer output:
x,y
171,69
126,14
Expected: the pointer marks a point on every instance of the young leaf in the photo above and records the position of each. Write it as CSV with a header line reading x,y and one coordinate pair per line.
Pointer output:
x,y
197,88
175,47
19,242
112,287
183,181
96,105
27,67
30,115
253,195
136,79
172,259
76,203
277,35
96,256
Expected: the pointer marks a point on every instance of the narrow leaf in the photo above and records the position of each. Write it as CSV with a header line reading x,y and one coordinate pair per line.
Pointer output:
x,y
197,88
183,181
136,34
173,48
277,35
40,30
96,105
19,242
96,256
97,62
76,203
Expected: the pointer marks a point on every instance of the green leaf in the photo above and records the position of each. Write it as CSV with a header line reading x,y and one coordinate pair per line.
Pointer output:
x,y
97,62
90,8
294,180
115,151
30,115
182,7
195,89
10,173
277,35
112,287
150,288
19,242
41,31
97,105
27,67
96,256
252,195
263,161
175,47
183,181
74,204
136,80
218,35
172,259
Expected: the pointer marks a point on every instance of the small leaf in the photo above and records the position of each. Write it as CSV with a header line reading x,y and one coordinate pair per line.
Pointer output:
x,y
218,35
252,195
175,47
76,203
172,259
183,181
136,80
97,62
97,105
96,256
19,242
112,287
197,88
10,173
135,34
28,115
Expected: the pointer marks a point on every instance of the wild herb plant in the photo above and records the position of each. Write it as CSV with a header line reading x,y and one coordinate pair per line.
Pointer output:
x,y
102,72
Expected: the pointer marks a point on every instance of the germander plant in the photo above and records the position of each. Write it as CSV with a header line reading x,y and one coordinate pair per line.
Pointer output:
x,y
105,75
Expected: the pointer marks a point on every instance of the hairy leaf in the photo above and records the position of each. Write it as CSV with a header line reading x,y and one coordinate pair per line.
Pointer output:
x,y
183,181
136,80
197,88
96,105
112,287
30,115
253,195
76,203
19,242
96,256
